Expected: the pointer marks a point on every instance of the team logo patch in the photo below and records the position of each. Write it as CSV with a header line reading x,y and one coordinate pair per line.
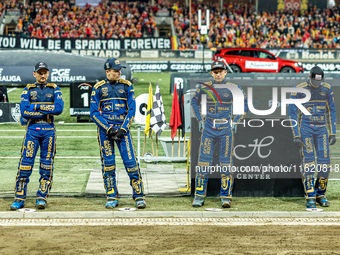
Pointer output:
x,y
108,107
121,91
117,62
211,109
15,112
49,95
104,91
34,95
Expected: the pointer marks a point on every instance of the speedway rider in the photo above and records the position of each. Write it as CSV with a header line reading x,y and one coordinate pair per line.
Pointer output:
x,y
113,109
39,103
311,132
219,107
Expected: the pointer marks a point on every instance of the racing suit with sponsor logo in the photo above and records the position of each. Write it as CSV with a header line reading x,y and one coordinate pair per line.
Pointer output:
x,y
39,103
313,131
217,130
113,105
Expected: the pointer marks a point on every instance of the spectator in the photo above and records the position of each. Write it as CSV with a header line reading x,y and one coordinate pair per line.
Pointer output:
x,y
107,20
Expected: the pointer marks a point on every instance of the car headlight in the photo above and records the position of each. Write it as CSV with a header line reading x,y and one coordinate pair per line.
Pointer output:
x,y
299,64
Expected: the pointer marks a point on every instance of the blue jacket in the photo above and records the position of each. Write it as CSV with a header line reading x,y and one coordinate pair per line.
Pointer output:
x,y
41,102
214,108
113,104
321,106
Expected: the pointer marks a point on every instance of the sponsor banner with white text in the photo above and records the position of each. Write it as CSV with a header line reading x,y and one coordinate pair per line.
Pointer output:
x,y
84,44
168,66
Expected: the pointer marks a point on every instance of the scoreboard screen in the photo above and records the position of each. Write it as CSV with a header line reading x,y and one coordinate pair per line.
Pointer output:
x,y
80,95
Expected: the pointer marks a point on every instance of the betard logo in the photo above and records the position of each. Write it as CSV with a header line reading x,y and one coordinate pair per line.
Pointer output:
x,y
9,78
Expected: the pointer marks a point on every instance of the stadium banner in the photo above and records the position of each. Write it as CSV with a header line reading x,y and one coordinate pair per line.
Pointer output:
x,y
168,66
23,75
326,67
85,44
137,48
307,54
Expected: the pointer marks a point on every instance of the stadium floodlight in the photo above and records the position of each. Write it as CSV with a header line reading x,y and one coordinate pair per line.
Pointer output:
x,y
203,28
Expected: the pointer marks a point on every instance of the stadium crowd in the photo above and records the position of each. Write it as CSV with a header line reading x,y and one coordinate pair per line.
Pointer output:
x,y
236,25
107,20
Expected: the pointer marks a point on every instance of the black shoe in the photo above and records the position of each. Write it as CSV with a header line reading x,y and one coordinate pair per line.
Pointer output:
x,y
111,203
310,203
17,204
140,203
226,202
198,201
323,201
41,204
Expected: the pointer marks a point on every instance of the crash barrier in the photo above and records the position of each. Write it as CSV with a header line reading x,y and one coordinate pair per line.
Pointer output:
x,y
266,163
262,86
16,67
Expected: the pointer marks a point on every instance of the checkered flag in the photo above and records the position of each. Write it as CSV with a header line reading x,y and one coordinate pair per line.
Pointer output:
x,y
157,121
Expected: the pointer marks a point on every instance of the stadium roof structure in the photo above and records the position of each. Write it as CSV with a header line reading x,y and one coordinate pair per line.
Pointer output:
x,y
16,67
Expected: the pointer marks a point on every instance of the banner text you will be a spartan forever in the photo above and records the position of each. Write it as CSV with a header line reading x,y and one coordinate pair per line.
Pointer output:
x,y
84,44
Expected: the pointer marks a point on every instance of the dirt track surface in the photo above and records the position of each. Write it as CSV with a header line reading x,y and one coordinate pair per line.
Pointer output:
x,y
169,239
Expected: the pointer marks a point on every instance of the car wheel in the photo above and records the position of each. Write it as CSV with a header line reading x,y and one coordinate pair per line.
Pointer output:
x,y
287,69
236,69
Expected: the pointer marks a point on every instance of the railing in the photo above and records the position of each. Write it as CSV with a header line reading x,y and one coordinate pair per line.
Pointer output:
x,y
13,12
1,23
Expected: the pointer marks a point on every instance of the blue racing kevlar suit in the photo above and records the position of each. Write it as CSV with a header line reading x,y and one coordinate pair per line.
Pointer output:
x,y
216,132
313,132
113,105
38,105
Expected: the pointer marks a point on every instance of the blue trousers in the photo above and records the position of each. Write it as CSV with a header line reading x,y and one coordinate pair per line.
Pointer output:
x,y
209,139
37,135
107,153
315,138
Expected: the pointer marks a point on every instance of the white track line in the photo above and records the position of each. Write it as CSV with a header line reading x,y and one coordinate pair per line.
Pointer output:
x,y
12,89
170,221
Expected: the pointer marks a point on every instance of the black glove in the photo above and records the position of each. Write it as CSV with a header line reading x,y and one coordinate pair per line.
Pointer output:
x,y
112,132
120,134
331,139
297,142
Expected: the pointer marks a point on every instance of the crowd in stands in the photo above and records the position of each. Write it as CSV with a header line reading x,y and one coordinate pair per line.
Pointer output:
x,y
107,20
10,4
236,25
